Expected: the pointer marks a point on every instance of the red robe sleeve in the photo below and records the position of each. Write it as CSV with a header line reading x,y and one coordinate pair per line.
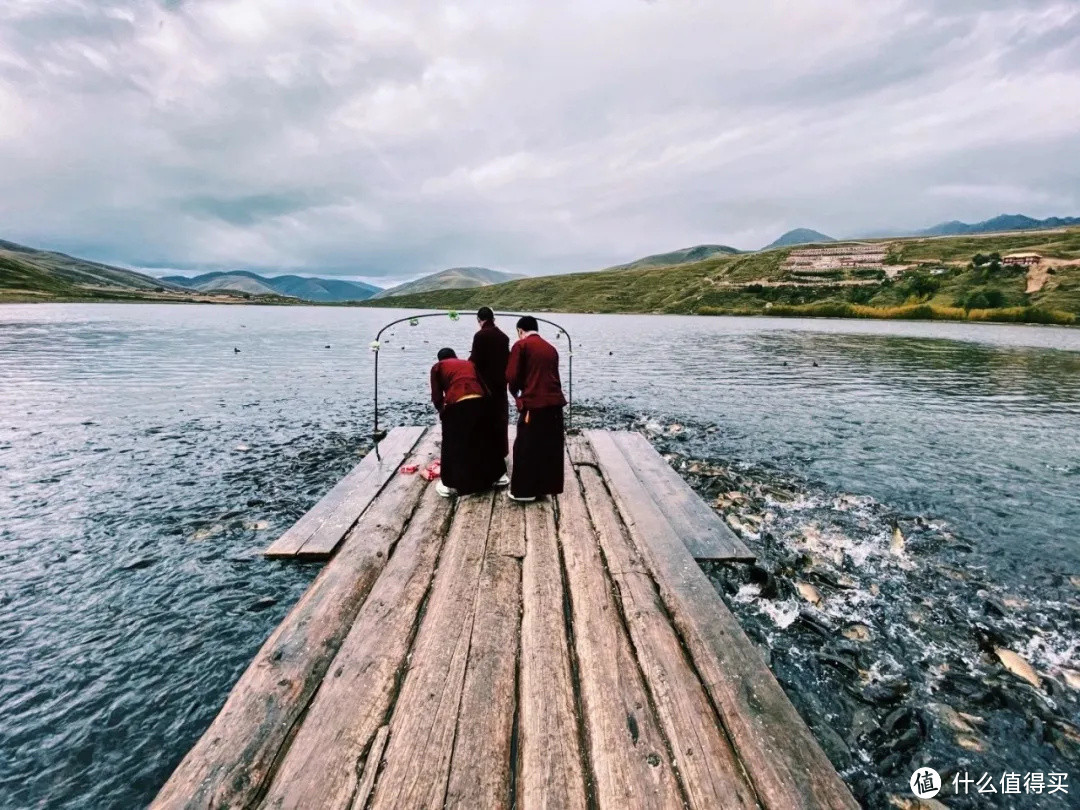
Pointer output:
x,y
514,373
437,394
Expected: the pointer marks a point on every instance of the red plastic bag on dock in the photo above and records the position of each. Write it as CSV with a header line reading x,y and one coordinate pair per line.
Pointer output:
x,y
409,469
433,471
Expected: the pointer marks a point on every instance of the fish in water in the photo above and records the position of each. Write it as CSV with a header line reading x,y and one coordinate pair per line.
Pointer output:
x,y
1018,666
808,592
896,544
856,632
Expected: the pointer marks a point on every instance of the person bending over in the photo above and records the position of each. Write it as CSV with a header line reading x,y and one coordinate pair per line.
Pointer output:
x,y
471,460
532,375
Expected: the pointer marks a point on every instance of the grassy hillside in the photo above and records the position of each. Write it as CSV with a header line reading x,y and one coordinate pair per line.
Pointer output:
x,y
455,278
30,275
799,236
937,276
690,254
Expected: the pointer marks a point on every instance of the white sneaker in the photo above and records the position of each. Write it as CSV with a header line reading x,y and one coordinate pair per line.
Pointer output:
x,y
443,490
504,481
524,499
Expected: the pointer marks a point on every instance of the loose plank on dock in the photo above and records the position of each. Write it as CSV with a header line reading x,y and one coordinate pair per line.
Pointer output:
x,y
476,653
318,532
702,531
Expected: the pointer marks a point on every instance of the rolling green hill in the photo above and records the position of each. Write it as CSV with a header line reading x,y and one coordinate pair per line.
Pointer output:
x,y
690,254
935,277
28,274
799,236
456,278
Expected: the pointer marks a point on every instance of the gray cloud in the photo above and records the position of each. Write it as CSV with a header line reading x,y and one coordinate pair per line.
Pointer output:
x,y
389,139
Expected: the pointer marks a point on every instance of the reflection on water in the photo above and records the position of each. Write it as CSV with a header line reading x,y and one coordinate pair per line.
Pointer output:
x,y
144,463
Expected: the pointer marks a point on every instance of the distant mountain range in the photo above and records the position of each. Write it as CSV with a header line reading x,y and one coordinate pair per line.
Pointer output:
x,y
42,274
799,236
322,290
1003,222
456,278
681,256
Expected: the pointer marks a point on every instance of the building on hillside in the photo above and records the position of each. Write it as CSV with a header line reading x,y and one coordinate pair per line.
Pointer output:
x,y
835,257
1021,258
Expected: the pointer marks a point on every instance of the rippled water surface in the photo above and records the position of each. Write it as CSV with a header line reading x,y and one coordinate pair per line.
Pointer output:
x,y
144,463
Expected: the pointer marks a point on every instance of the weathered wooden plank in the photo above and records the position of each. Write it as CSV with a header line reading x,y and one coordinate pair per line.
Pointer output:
x,y
507,535
628,756
701,529
619,558
320,529
480,770
325,539
323,765
425,715
232,762
785,764
550,773
580,451
371,768
711,774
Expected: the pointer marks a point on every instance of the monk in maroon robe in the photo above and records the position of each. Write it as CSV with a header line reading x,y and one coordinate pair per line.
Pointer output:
x,y
471,460
490,352
532,376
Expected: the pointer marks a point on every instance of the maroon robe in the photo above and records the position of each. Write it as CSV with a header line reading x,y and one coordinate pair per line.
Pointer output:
x,y
532,375
490,352
471,459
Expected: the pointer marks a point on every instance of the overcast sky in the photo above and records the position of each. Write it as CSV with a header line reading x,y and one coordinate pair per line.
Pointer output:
x,y
391,139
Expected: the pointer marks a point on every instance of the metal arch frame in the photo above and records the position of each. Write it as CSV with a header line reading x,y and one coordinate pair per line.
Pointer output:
x,y
376,347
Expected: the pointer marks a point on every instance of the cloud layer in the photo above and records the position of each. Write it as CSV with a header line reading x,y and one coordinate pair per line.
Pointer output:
x,y
390,139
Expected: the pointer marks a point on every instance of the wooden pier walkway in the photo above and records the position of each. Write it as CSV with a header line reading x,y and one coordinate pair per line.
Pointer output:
x,y
477,653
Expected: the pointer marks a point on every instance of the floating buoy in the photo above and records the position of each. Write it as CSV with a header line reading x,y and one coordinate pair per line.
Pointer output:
x,y
453,315
414,321
374,345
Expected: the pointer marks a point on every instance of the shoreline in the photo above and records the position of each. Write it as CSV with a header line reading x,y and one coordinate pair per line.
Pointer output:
x,y
915,313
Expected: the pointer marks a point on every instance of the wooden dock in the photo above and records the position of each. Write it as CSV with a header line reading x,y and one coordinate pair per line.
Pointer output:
x,y
476,653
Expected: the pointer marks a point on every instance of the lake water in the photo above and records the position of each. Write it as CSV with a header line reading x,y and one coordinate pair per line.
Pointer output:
x,y
144,464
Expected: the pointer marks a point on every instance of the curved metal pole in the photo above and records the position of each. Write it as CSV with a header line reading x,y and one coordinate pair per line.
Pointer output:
x,y
376,346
